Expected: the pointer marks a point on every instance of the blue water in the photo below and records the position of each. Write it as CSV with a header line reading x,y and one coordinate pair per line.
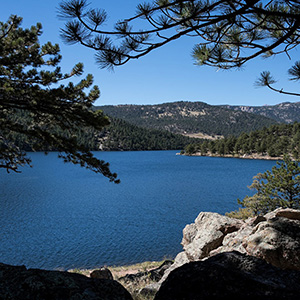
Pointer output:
x,y
58,215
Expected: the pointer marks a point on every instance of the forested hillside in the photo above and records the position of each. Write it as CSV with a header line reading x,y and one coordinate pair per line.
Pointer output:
x,y
189,118
274,141
119,135
284,112
167,126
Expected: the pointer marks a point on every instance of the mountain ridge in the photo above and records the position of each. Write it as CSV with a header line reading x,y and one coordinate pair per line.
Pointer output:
x,y
186,117
285,112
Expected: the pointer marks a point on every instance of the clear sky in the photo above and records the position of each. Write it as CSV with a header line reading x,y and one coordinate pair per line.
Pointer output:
x,y
165,75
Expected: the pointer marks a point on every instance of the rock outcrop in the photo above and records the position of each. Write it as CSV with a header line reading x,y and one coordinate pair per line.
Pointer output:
x,y
19,283
233,275
274,237
207,234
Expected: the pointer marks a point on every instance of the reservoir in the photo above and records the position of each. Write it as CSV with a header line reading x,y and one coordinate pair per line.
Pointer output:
x,y
60,216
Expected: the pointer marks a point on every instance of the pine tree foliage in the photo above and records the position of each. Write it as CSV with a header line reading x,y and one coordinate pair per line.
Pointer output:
x,y
279,187
229,32
35,104
266,79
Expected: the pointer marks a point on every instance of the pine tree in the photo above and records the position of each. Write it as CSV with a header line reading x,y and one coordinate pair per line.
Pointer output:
x,y
230,33
34,102
279,187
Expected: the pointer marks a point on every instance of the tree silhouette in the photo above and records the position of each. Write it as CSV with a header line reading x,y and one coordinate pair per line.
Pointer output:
x,y
230,32
34,102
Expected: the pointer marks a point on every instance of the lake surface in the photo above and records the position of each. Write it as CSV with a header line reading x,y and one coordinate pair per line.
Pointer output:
x,y
58,215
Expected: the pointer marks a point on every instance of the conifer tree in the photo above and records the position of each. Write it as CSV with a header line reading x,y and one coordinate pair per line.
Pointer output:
x,y
34,102
229,32
279,187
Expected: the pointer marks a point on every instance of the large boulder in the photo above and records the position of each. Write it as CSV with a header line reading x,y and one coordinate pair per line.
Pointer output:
x,y
207,233
230,274
19,283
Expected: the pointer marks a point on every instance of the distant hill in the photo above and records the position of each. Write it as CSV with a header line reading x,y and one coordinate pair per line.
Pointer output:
x,y
284,112
189,118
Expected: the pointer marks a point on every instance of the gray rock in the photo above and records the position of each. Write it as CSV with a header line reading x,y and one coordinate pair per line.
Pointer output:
x,y
19,283
202,237
102,273
179,261
207,234
159,272
292,214
235,241
154,274
150,289
277,241
233,275
274,237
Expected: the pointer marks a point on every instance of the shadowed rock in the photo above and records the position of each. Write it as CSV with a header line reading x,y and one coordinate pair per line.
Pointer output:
x,y
19,283
230,274
102,273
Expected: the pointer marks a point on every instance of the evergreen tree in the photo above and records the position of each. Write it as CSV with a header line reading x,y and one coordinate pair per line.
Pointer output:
x,y
279,187
190,149
224,28
34,102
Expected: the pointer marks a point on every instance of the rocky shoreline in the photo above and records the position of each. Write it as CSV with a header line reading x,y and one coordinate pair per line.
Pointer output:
x,y
244,156
222,256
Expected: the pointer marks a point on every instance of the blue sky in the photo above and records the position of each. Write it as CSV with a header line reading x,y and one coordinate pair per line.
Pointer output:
x,y
165,75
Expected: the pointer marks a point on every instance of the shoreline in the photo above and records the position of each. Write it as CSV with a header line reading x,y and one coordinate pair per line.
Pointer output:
x,y
245,156
134,278
120,271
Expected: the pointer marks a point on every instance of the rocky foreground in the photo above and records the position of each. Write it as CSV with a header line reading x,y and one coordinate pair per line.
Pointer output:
x,y
221,256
